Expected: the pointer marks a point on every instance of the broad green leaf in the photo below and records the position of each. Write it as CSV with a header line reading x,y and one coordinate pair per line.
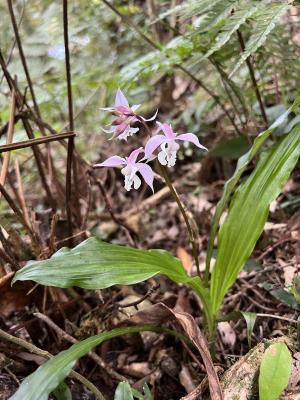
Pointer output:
x,y
242,164
48,376
275,371
94,264
248,213
265,22
123,392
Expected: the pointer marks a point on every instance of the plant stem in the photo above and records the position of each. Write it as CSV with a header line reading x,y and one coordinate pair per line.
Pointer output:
x,y
253,79
182,208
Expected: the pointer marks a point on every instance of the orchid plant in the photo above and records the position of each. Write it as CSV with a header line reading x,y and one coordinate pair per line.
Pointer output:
x,y
122,129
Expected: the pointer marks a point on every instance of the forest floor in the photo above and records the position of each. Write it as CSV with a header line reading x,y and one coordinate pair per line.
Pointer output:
x,y
53,318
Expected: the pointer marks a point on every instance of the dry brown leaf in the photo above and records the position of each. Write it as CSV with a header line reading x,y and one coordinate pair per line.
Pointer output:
x,y
185,258
160,313
228,335
289,274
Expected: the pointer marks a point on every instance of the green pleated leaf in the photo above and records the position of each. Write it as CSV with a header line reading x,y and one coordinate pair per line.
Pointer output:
x,y
48,376
242,164
248,213
275,371
94,264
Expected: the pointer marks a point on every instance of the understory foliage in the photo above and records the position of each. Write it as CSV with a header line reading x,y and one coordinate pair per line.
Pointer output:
x,y
238,61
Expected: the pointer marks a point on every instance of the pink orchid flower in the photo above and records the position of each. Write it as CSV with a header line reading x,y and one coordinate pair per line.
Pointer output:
x,y
168,145
121,128
125,116
130,169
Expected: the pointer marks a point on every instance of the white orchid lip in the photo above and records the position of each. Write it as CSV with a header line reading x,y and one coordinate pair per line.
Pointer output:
x,y
168,144
130,169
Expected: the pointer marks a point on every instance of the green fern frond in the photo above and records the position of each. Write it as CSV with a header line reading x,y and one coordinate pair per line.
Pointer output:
x,y
265,21
191,8
231,25
218,13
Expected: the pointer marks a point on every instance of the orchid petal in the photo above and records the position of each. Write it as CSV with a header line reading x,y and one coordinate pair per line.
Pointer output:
x,y
121,99
150,119
110,109
153,144
135,107
110,130
113,161
146,171
167,129
190,137
131,159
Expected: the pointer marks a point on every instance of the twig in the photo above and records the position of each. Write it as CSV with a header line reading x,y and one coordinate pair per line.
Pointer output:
x,y
70,158
36,350
71,339
253,79
293,321
20,192
139,301
33,142
9,137
179,66
278,243
37,154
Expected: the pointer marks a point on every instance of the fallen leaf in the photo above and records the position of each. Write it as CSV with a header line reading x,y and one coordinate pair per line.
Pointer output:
x,y
228,335
185,258
160,313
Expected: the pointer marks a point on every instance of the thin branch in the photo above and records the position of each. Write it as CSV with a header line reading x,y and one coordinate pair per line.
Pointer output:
x,y
34,142
253,79
36,350
24,62
70,158
20,192
9,137
292,321
179,66
37,154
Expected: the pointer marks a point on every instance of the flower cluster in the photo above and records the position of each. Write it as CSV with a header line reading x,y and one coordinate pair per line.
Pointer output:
x,y
167,141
